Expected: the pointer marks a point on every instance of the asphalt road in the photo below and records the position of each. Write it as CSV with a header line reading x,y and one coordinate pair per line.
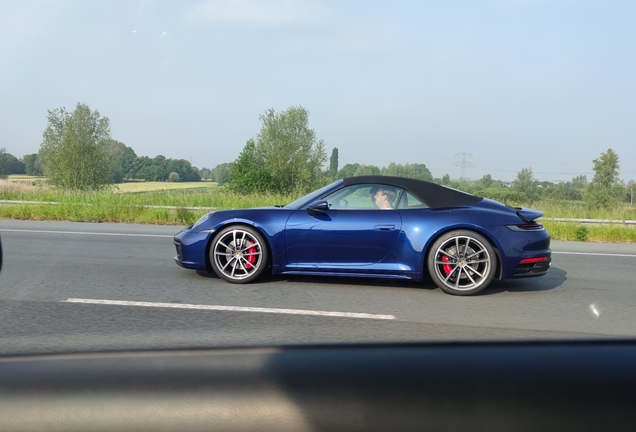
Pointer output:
x,y
52,270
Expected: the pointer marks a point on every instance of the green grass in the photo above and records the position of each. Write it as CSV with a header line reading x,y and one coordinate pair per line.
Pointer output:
x,y
579,210
570,231
112,206
128,207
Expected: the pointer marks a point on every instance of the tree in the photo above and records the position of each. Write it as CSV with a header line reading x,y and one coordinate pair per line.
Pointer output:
x,y
10,164
348,170
5,164
221,173
205,173
605,190
290,151
365,170
32,165
287,150
115,150
74,151
526,184
572,190
152,172
333,163
187,173
579,182
122,160
418,171
248,173
173,177
487,182
415,171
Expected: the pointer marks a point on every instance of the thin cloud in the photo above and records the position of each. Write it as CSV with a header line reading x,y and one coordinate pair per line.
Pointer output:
x,y
270,13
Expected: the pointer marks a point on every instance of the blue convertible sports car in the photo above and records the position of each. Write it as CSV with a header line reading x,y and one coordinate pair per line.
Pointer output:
x,y
373,226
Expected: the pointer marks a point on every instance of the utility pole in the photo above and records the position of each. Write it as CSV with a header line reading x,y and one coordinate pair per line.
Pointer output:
x,y
463,163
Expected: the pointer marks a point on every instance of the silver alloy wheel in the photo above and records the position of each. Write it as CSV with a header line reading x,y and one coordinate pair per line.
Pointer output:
x,y
463,263
238,254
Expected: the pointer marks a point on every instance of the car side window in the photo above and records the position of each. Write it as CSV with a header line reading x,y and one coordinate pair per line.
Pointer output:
x,y
410,201
364,197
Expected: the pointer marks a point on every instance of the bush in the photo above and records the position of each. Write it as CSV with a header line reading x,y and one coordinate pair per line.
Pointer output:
x,y
581,233
503,195
185,216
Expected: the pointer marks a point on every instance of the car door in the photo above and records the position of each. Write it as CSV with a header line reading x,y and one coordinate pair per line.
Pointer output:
x,y
352,233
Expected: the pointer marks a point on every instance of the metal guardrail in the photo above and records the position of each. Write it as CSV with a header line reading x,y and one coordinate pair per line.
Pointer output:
x,y
592,221
28,202
144,206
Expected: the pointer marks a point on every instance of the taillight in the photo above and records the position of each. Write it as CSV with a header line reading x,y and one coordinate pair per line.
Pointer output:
x,y
533,260
528,226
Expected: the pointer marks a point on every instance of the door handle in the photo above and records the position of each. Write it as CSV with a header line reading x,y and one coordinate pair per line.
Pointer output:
x,y
385,227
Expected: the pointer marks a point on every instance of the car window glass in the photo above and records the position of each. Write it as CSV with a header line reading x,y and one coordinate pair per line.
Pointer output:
x,y
408,200
309,197
361,197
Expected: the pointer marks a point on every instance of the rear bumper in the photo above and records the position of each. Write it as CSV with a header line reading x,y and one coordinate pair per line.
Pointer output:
x,y
533,269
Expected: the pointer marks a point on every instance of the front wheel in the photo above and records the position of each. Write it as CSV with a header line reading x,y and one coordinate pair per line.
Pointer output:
x,y
462,262
238,254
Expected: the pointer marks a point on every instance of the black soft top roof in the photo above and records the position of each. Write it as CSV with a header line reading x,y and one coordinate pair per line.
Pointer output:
x,y
434,195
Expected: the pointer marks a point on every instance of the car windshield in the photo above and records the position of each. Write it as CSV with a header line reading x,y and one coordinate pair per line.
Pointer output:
x,y
148,148
311,196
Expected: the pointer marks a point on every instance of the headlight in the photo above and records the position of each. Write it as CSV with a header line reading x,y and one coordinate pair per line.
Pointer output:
x,y
202,219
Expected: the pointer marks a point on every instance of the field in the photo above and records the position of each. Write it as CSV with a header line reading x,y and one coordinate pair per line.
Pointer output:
x,y
128,204
20,177
184,203
155,186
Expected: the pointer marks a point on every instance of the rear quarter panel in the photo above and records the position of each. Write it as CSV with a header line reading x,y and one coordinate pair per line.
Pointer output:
x,y
421,227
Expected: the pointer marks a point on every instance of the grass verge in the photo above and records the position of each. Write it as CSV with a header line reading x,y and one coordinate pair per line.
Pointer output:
x,y
128,205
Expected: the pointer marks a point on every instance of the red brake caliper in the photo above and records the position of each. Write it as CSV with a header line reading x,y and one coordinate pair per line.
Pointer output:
x,y
252,258
446,267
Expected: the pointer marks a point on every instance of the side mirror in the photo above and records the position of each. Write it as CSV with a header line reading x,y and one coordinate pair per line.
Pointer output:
x,y
319,206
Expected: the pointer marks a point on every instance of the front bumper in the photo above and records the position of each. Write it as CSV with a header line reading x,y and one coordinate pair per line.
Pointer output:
x,y
191,249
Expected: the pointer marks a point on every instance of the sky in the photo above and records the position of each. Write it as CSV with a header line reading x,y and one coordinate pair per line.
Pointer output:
x,y
511,84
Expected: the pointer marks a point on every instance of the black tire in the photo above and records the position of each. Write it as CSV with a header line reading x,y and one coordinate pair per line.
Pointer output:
x,y
462,262
238,254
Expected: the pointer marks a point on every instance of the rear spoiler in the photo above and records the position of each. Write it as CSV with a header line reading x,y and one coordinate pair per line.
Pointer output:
x,y
529,215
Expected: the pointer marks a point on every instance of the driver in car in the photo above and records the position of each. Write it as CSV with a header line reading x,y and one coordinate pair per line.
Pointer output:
x,y
382,197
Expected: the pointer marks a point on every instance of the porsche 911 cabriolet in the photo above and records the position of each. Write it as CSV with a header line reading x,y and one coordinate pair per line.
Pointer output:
x,y
373,226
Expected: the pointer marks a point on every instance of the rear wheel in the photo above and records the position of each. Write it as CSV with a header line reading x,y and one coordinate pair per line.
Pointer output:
x,y
462,262
238,254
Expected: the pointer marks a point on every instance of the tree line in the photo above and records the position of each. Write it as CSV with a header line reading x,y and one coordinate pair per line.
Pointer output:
x,y
78,152
605,190
285,156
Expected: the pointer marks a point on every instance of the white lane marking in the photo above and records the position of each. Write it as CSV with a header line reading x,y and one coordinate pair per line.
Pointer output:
x,y
86,233
595,254
230,308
